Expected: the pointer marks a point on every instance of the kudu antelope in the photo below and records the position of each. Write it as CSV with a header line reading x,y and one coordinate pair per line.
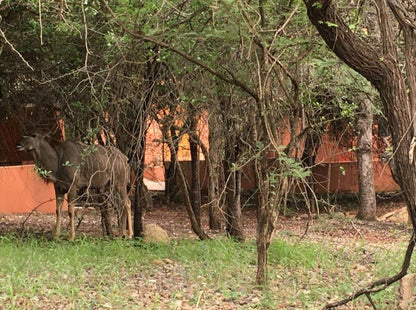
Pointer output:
x,y
73,165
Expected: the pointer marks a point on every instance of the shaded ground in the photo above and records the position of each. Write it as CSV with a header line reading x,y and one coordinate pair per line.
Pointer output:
x,y
339,226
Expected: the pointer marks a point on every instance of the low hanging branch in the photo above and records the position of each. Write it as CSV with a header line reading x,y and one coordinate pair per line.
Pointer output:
x,y
378,285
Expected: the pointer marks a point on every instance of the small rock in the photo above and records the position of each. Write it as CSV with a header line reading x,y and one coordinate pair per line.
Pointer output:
x,y
154,233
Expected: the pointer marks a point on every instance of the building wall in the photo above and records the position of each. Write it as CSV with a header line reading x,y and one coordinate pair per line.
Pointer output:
x,y
343,178
328,177
22,190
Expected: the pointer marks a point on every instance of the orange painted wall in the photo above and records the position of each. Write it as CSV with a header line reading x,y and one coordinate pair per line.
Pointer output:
x,y
153,157
343,178
335,169
22,190
157,152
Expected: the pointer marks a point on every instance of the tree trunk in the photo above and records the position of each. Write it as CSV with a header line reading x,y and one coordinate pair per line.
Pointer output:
x,y
195,225
214,170
262,257
308,161
384,72
265,222
215,211
195,189
233,200
195,184
215,214
232,175
172,188
367,207
139,199
142,111
272,187
138,209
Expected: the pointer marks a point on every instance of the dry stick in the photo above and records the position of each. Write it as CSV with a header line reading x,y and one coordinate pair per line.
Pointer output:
x,y
33,210
371,300
15,50
359,232
308,223
381,284
40,22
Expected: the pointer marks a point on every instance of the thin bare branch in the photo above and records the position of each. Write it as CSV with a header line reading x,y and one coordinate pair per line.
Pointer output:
x,y
87,50
15,50
40,21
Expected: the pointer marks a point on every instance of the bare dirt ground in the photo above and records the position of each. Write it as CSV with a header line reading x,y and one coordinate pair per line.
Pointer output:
x,y
340,226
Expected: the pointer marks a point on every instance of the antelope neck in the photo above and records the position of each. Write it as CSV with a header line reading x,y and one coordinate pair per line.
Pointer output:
x,y
46,157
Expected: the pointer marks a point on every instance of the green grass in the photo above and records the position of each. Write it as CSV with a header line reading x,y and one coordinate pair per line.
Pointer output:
x,y
98,274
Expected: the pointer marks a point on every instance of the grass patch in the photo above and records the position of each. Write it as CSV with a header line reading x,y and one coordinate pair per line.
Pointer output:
x,y
301,255
97,273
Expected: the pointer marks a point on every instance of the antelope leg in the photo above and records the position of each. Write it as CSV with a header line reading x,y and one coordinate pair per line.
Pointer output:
x,y
59,202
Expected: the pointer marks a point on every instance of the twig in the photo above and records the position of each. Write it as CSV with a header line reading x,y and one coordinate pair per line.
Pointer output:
x,y
40,22
371,300
87,50
33,210
307,227
15,50
355,228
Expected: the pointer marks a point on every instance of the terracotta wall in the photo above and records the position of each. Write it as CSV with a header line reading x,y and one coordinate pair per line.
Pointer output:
x,y
22,190
332,177
343,178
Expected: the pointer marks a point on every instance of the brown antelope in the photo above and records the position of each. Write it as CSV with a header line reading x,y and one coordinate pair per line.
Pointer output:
x,y
73,165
